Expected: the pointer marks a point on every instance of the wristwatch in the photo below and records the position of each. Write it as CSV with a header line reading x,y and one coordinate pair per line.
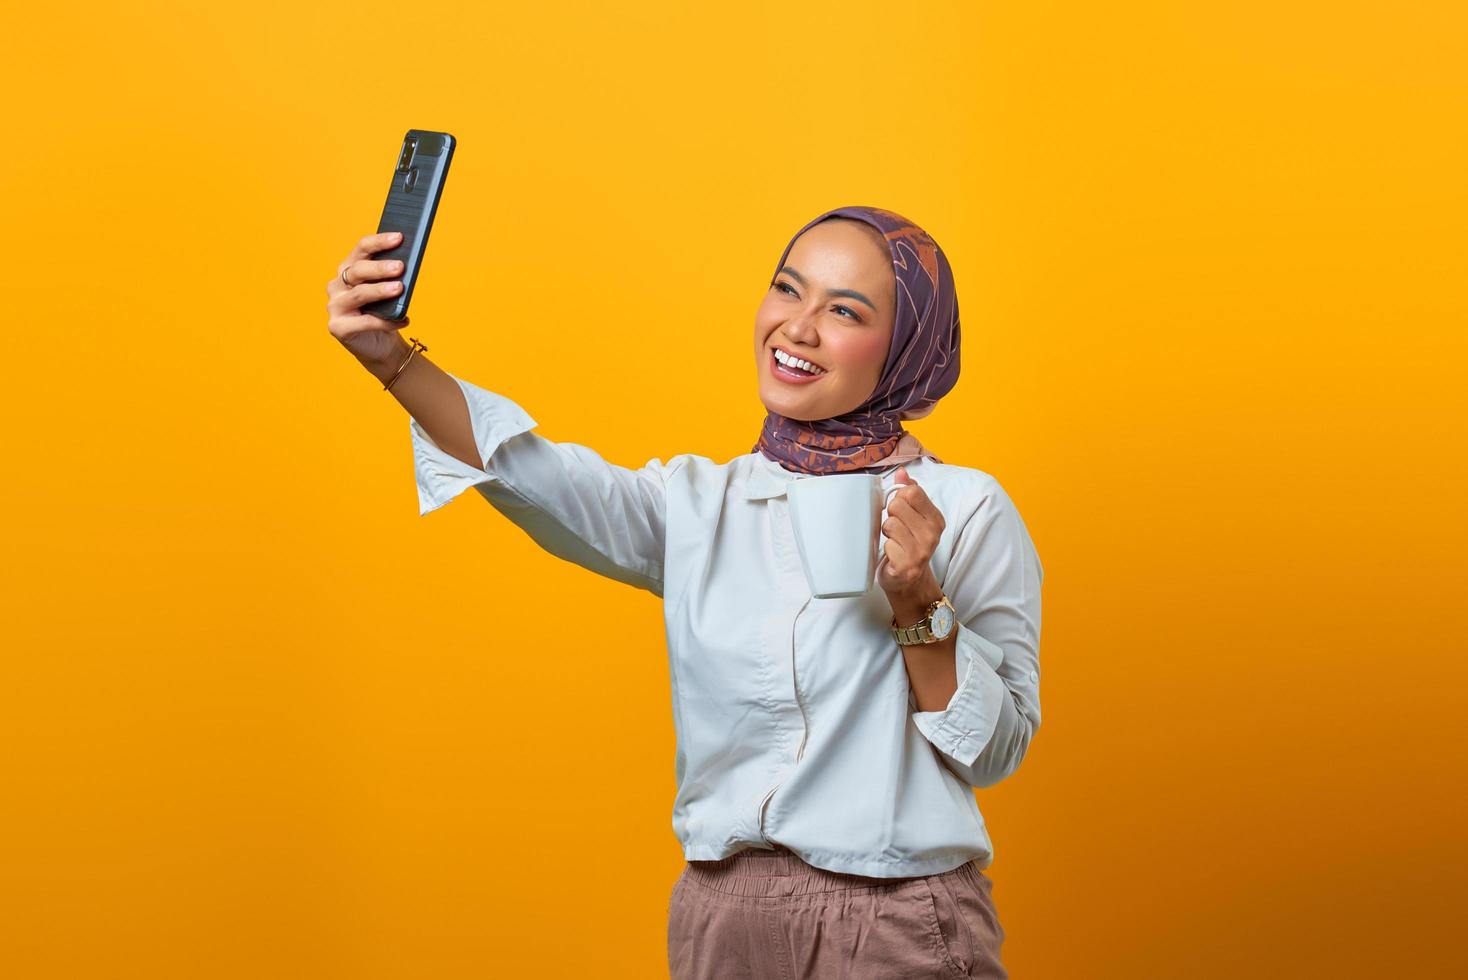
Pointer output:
x,y
934,627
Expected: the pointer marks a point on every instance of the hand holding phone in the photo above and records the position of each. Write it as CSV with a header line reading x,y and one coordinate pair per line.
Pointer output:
x,y
368,296
412,202
360,279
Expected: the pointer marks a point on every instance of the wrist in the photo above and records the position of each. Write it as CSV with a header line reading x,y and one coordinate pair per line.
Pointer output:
x,y
383,368
910,606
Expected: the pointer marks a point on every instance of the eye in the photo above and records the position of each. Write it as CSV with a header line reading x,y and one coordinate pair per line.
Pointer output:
x,y
786,286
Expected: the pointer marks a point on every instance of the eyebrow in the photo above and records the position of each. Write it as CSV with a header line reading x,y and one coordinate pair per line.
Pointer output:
x,y
853,294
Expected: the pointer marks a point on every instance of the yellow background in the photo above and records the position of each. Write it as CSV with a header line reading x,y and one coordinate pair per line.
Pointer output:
x,y
259,719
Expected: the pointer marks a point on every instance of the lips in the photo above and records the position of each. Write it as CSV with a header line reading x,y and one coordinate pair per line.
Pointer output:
x,y
790,376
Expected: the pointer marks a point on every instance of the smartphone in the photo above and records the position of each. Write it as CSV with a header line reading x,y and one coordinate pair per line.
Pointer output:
x,y
412,201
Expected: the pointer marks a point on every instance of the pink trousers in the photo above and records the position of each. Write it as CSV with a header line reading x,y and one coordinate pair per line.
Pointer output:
x,y
767,915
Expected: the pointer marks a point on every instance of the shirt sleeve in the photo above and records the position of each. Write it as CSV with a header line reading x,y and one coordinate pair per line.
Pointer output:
x,y
606,518
993,580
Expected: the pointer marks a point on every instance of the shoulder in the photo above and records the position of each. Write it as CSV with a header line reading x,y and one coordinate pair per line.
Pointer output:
x,y
976,508
694,470
966,489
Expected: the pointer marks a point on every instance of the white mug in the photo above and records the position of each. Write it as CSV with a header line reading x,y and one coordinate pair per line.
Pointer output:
x,y
836,518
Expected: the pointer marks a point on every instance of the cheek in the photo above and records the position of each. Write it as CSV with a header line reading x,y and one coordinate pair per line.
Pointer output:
x,y
764,321
863,356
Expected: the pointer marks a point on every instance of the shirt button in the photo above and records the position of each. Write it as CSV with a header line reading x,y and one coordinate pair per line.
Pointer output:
x,y
1034,677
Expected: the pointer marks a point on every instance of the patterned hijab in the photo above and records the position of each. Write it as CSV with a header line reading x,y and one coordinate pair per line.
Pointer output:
x,y
921,366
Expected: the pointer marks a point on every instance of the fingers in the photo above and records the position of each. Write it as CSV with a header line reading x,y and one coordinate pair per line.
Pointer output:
x,y
347,300
891,555
895,529
371,270
360,267
903,561
899,534
912,528
914,503
373,244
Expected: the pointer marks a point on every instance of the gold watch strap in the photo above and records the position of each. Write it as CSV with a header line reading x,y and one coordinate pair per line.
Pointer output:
x,y
910,636
918,633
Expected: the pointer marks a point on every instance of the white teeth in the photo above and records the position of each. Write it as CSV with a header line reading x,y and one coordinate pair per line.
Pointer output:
x,y
807,366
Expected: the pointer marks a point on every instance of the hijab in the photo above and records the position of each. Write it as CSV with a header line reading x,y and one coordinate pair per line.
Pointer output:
x,y
921,365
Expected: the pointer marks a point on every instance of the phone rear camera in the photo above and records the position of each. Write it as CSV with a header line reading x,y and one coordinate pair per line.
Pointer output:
x,y
410,147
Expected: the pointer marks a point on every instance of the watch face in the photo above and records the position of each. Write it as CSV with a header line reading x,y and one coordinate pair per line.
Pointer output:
x,y
942,622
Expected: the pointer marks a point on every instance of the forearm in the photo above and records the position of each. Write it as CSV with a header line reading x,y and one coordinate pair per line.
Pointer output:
x,y
434,398
931,668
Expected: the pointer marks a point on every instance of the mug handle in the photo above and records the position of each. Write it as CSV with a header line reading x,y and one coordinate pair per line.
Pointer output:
x,y
882,541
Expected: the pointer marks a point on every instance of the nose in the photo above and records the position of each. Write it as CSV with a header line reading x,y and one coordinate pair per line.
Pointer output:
x,y
801,330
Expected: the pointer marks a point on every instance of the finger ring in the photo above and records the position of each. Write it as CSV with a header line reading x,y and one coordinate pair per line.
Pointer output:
x,y
344,276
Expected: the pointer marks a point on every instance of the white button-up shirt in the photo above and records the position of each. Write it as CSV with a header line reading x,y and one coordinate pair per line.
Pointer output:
x,y
794,718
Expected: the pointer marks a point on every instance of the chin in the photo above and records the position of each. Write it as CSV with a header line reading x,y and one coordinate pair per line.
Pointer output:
x,y
804,410
795,412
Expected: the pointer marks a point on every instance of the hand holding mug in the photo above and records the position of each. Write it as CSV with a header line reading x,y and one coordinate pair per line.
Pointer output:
x,y
910,536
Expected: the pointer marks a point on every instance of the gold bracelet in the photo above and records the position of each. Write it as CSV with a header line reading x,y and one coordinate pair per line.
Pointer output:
x,y
413,350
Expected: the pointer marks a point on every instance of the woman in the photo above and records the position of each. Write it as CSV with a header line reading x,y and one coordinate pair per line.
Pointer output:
x,y
827,749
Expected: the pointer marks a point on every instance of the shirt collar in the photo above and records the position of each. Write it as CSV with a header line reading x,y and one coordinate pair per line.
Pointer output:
x,y
766,478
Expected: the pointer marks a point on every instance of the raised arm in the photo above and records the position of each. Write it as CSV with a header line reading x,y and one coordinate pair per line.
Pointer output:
x,y
574,504
606,518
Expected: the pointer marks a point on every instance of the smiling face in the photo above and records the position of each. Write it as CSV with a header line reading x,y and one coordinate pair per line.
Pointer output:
x,y
833,304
